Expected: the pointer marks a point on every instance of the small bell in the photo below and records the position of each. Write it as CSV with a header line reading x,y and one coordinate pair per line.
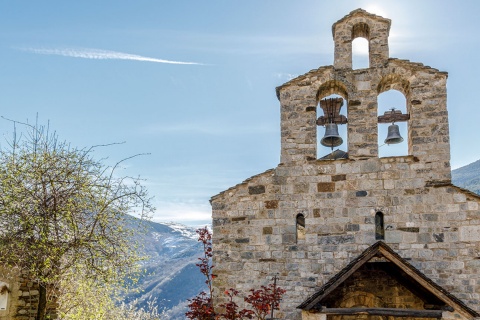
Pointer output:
x,y
331,137
393,136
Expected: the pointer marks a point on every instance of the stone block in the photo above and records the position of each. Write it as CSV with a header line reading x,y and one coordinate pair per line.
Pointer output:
x,y
326,187
256,189
469,233
271,204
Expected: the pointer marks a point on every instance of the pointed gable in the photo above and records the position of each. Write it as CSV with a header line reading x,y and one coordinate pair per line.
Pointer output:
x,y
427,299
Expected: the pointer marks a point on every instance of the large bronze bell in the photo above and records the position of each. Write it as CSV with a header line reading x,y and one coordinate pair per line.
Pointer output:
x,y
331,137
393,136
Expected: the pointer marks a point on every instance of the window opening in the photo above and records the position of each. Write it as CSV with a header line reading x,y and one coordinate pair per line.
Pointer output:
x,y
387,101
332,128
360,53
379,228
300,227
4,293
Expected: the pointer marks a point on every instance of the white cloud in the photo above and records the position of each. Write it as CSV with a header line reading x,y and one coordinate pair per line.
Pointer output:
x,y
285,76
186,213
98,54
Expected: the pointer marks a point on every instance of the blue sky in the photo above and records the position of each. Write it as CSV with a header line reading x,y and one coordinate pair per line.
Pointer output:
x,y
111,71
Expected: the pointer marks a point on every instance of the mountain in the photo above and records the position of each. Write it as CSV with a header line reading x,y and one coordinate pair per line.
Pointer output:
x,y
171,276
468,177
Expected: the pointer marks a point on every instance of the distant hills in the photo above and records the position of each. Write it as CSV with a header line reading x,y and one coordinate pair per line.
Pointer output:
x,y
468,177
171,276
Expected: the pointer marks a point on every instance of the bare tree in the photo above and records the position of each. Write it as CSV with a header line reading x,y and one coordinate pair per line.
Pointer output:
x,y
60,209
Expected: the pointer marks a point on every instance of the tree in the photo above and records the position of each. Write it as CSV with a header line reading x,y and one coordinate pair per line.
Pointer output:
x,y
61,210
87,299
201,306
263,301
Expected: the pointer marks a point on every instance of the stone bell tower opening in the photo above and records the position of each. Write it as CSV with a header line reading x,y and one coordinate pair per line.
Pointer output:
x,y
360,57
332,128
387,101
364,234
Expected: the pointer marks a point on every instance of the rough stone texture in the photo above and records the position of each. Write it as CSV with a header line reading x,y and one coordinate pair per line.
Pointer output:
x,y
435,225
23,296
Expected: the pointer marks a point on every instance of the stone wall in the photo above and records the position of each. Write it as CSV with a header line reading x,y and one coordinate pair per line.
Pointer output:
x,y
435,225
23,296
437,228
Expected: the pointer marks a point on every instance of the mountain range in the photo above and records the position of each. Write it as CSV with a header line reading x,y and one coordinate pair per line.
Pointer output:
x,y
468,177
171,276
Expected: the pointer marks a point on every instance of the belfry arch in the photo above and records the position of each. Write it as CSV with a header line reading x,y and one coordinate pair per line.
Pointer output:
x,y
393,113
360,39
332,119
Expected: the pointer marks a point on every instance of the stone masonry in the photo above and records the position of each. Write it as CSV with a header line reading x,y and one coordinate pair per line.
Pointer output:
x,y
22,296
427,220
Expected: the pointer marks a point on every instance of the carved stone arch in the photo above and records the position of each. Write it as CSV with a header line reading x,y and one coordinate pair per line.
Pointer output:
x,y
401,84
332,111
361,29
396,82
332,87
361,299
300,226
358,28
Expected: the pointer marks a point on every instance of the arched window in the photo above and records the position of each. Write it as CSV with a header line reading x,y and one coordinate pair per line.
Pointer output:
x,y
360,53
4,294
326,110
388,100
379,228
360,46
300,222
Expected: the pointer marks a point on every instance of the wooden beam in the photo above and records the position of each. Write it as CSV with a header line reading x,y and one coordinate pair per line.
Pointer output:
x,y
389,118
338,119
394,312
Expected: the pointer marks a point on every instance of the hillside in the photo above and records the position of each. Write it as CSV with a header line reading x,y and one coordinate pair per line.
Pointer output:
x,y
468,177
170,276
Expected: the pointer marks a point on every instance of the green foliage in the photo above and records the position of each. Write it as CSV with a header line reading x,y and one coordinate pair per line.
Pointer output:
x,y
87,299
61,209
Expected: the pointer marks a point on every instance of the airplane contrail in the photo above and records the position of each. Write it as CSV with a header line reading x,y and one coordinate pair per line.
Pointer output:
x,y
87,53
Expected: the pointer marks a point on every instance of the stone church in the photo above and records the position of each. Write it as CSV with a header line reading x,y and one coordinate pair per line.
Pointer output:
x,y
350,234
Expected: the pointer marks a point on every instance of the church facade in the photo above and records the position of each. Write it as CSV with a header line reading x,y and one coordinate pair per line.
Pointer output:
x,y
351,234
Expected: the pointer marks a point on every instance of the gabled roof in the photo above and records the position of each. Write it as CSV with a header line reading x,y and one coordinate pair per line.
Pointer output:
x,y
380,249
361,12
337,154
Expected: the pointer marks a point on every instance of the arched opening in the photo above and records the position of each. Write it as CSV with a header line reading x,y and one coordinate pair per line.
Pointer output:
x,y
332,100
300,223
332,128
360,46
360,53
4,297
379,227
388,100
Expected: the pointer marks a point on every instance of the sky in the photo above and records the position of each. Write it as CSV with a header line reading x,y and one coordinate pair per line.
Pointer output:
x,y
192,83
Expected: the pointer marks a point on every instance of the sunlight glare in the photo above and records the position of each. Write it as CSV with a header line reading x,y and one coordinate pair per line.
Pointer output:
x,y
375,9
